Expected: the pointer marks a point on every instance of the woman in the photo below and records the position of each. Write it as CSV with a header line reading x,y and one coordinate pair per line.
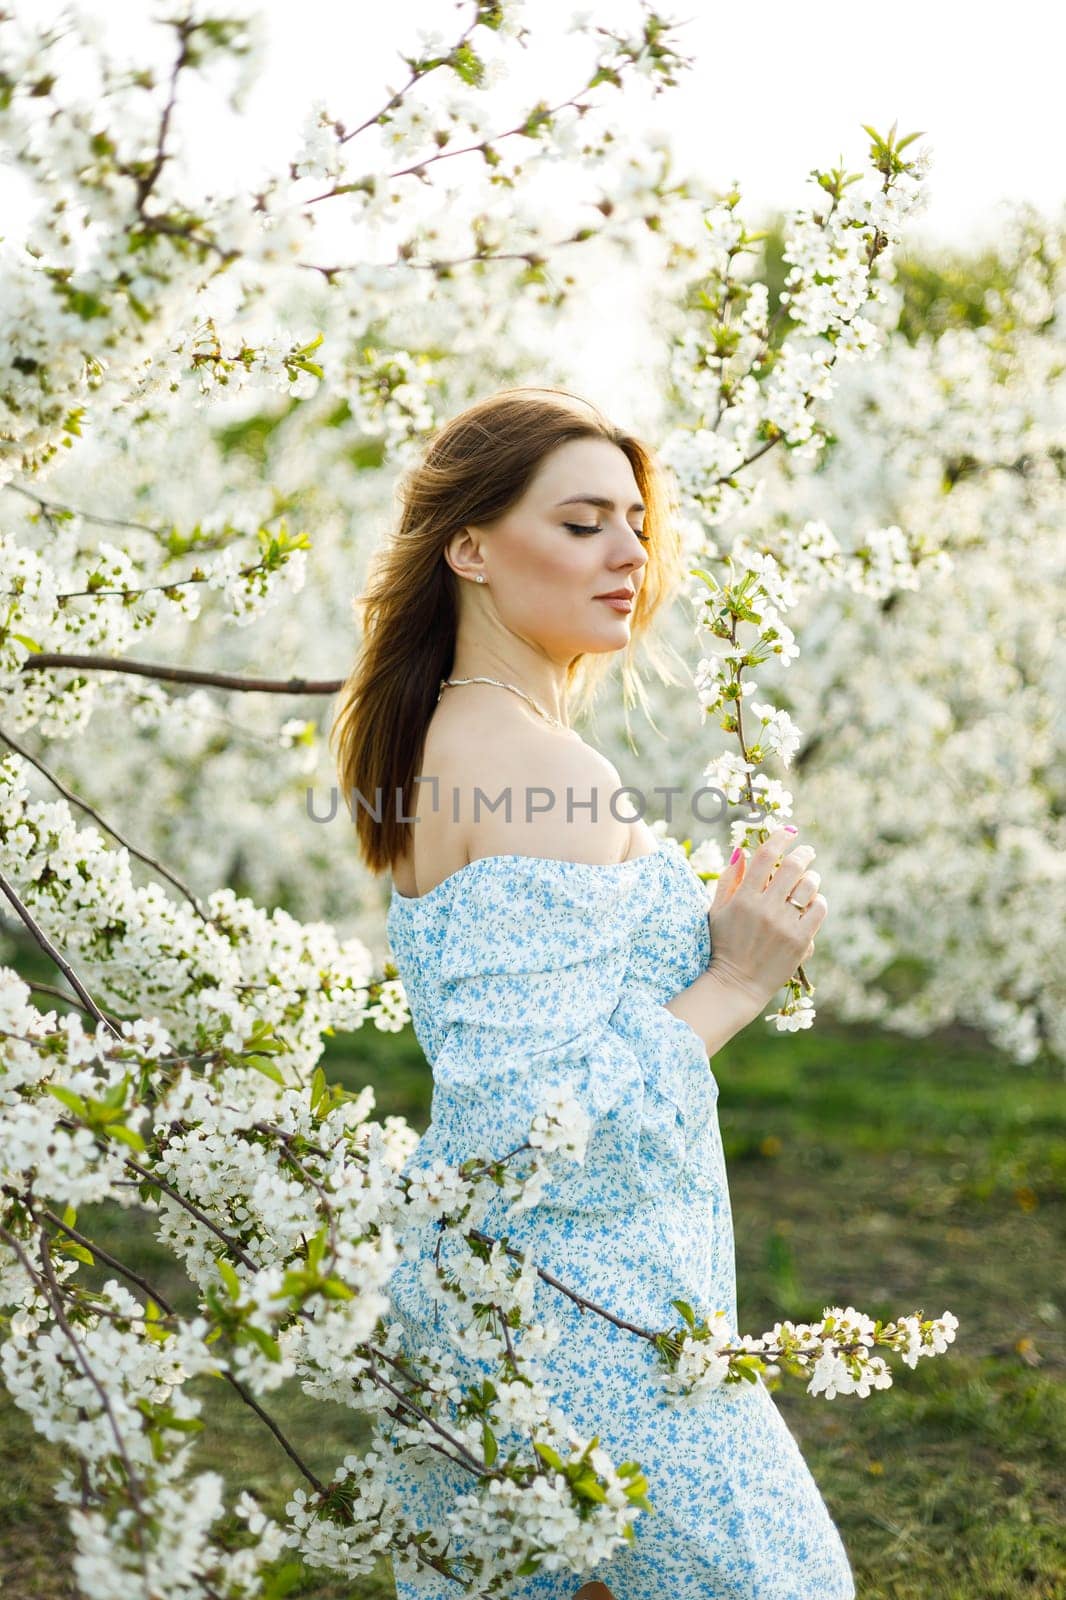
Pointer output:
x,y
542,938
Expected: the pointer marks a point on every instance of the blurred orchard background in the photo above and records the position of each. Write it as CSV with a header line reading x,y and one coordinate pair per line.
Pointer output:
x,y
906,1149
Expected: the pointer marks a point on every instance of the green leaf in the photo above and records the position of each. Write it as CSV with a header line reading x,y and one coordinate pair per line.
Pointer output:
x,y
467,65
488,1440
336,1289
229,1277
153,1325
316,1248
284,1581
686,1311
116,1095
269,1346
182,1424
71,1247
72,1101
128,1136
268,1068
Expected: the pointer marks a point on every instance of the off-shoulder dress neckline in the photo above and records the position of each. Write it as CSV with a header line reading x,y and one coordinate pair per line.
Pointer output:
x,y
409,900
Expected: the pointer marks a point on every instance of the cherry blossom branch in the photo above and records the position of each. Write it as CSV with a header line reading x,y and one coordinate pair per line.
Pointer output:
x,y
58,994
160,1299
51,660
48,1284
50,508
141,855
539,115
418,70
470,1462
167,588
159,1182
54,954
532,258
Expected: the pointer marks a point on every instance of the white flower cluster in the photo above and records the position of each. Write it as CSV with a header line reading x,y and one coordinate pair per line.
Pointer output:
x,y
509,1522
764,590
43,1377
701,1366
320,154
950,543
88,611
751,391
373,1518
709,1355
852,1371
109,1562
563,1125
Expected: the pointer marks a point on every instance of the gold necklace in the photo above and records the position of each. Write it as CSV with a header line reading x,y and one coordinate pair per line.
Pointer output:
x,y
500,685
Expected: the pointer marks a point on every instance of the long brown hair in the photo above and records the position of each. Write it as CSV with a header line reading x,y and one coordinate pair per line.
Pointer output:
x,y
473,470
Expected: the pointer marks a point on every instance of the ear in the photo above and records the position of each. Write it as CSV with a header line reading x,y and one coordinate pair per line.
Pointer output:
x,y
463,554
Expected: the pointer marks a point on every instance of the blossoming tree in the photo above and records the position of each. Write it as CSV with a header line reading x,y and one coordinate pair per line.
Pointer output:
x,y
185,1083
933,521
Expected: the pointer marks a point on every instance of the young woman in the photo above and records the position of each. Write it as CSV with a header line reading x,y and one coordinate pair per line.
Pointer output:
x,y
541,937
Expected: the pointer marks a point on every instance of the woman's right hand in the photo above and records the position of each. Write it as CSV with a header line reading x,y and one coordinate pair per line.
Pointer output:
x,y
758,938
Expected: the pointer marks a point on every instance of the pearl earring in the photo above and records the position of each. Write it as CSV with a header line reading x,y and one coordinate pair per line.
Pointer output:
x,y
480,579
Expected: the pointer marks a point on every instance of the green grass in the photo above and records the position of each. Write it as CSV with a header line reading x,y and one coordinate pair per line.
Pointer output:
x,y
864,1168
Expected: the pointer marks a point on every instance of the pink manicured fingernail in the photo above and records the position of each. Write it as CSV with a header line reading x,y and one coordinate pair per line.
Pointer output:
x,y
790,829
735,857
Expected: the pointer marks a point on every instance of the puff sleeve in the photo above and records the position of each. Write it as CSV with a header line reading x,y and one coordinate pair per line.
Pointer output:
x,y
534,991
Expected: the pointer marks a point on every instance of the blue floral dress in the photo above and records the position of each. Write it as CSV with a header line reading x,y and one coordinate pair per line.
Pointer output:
x,y
522,972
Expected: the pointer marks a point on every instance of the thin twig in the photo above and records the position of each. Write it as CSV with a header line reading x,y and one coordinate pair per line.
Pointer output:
x,y
192,1208
60,994
141,855
49,507
51,1289
163,1303
60,960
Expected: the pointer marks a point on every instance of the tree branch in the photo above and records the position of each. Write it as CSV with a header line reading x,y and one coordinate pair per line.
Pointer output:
x,y
85,806
56,955
46,659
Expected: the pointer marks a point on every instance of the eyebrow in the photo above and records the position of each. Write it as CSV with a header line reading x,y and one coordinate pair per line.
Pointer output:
x,y
595,500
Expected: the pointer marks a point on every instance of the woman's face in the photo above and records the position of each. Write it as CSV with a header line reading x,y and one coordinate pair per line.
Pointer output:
x,y
543,571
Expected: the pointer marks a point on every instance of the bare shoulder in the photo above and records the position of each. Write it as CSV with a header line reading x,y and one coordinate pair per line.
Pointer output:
x,y
510,784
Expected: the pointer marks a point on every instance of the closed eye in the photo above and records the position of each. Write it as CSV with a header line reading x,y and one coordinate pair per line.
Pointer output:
x,y
580,527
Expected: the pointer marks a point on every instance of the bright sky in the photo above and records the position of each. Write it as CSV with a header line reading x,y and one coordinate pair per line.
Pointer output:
x,y
776,88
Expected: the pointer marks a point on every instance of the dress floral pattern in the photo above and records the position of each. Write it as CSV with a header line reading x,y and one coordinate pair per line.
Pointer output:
x,y
522,972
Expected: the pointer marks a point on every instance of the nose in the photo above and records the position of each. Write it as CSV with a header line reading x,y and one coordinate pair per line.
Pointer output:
x,y
637,552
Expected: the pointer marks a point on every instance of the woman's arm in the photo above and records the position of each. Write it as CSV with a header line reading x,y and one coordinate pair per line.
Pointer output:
x,y
714,1008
